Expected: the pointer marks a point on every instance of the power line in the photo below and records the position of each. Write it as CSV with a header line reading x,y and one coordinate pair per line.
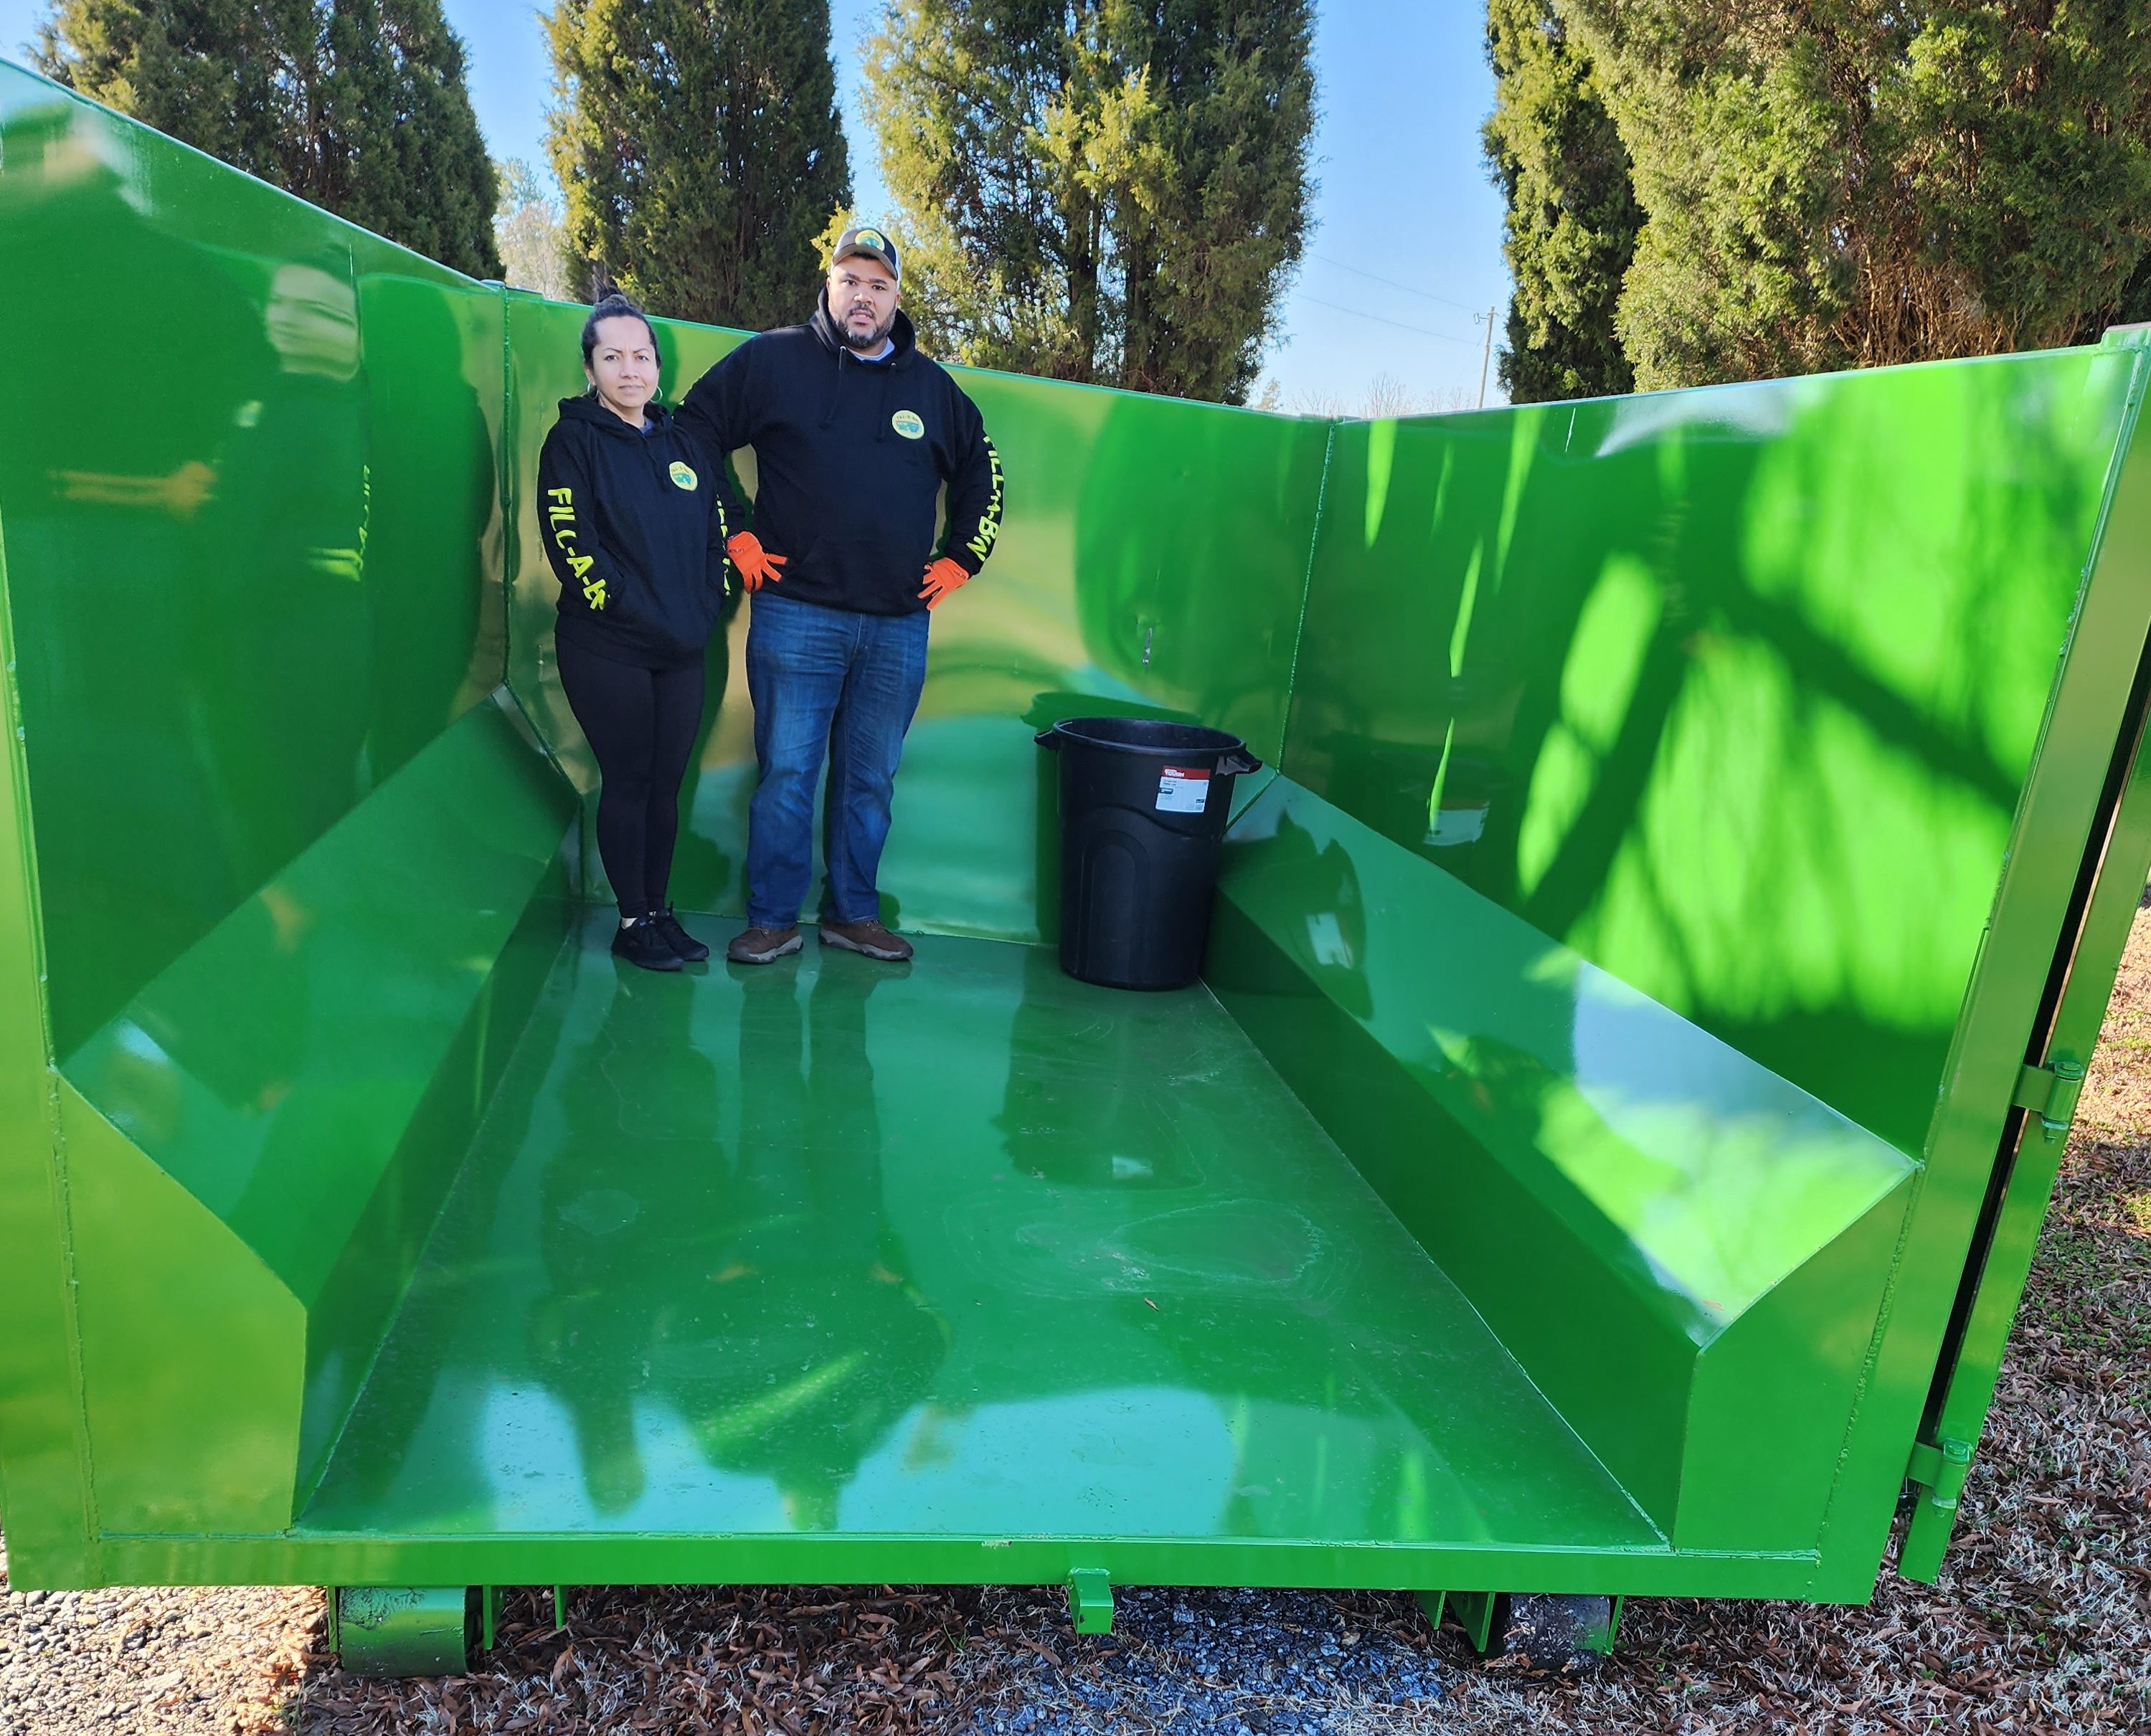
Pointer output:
x,y
1416,331
1371,277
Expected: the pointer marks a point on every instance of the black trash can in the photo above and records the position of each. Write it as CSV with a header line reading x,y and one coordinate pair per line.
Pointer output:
x,y
1143,805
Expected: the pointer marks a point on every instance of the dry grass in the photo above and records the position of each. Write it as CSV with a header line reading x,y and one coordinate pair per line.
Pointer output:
x,y
681,1660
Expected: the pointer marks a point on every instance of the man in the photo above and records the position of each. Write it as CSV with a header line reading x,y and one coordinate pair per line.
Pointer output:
x,y
854,432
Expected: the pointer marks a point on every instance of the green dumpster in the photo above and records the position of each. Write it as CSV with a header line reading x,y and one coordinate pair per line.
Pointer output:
x,y
1645,996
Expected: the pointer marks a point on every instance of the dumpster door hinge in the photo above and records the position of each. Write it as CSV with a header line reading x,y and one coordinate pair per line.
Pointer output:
x,y
1938,1473
1941,1470
2051,1094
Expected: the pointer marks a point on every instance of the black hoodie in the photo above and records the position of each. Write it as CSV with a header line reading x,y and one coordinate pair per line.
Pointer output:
x,y
850,456
635,525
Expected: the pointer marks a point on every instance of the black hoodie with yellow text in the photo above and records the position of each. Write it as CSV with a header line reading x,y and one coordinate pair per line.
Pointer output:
x,y
634,522
850,457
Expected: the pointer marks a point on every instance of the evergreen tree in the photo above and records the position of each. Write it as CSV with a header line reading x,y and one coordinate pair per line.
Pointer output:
x,y
700,148
219,74
401,153
1572,217
357,105
1832,185
528,229
1112,190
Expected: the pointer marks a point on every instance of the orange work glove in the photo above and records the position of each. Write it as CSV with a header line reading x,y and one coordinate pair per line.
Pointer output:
x,y
756,566
942,577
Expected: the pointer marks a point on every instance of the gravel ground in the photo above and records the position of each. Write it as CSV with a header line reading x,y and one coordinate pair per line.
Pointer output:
x,y
177,1662
2042,1623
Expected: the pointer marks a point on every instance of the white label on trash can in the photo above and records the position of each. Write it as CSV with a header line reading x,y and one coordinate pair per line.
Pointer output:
x,y
1183,791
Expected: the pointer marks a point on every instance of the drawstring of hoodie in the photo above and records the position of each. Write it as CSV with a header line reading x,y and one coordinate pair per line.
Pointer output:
x,y
652,438
825,321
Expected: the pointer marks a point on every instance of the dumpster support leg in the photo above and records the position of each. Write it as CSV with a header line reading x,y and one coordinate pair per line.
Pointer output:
x,y
1475,1612
404,1630
1091,1600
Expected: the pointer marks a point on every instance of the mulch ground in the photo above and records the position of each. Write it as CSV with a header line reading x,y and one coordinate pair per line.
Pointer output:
x,y
2042,1623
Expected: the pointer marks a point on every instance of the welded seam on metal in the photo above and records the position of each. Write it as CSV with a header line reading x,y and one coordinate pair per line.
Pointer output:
x,y
33,902
511,522
511,564
1306,594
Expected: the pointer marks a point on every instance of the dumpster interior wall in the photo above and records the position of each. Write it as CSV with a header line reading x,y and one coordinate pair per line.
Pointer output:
x,y
1656,880
1732,693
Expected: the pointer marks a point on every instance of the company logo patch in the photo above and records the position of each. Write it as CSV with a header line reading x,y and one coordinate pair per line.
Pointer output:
x,y
872,237
682,477
907,423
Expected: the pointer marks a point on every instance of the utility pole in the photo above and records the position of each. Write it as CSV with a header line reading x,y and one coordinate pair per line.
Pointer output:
x,y
1488,357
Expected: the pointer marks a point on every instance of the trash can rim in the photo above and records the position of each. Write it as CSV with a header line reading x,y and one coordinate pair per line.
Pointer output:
x,y
1194,738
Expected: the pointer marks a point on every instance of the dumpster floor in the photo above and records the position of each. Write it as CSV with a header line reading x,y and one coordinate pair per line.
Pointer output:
x,y
963,1249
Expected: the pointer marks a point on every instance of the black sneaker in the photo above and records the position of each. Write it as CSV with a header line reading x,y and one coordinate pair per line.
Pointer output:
x,y
643,942
677,938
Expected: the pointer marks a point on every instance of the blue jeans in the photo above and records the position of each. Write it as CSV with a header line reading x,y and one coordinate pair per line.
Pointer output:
x,y
825,680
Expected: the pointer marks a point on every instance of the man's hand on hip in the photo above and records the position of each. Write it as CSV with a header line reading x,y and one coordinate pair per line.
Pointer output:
x,y
756,566
942,577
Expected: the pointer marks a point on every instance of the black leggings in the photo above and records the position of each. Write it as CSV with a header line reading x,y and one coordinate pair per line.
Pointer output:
x,y
640,723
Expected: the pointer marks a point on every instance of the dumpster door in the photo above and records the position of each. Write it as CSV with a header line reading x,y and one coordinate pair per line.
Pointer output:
x,y
2109,889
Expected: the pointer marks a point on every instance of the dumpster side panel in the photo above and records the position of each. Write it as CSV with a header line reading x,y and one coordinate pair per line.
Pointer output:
x,y
296,875
312,1070
44,1474
194,1353
1153,560
2024,958
1732,690
1745,694
2112,889
248,578
1657,1227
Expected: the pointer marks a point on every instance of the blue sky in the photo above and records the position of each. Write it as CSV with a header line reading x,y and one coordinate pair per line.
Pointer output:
x,y
1407,239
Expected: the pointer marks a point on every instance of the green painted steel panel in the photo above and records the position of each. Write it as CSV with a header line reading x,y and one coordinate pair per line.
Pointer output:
x,y
307,1076
1733,691
246,549
1776,718
44,1469
730,1263
1682,1248
2025,950
2110,893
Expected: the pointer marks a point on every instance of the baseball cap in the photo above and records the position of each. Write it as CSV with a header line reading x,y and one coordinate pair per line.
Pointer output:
x,y
869,243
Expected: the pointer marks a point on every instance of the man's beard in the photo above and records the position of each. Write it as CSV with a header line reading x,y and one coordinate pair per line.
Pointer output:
x,y
874,340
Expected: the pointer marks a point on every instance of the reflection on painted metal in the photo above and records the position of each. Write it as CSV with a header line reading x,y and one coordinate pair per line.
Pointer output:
x,y
1621,980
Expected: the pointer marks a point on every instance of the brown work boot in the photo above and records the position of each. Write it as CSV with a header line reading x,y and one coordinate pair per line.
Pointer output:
x,y
758,946
869,937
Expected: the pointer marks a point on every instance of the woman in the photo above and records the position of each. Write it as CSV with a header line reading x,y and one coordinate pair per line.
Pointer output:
x,y
634,522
